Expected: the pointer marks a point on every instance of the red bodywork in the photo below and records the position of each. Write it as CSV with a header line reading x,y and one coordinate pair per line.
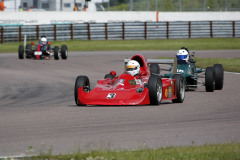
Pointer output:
x,y
123,88
38,49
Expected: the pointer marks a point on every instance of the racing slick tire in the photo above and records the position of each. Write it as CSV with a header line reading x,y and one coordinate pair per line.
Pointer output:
x,y
56,50
155,89
210,79
108,76
28,51
219,76
154,69
21,52
81,81
180,88
64,52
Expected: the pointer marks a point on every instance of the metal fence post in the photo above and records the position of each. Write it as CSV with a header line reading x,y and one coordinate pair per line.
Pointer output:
x,y
145,30
37,32
55,32
89,34
167,30
233,27
123,31
20,34
211,30
1,34
71,27
106,31
189,29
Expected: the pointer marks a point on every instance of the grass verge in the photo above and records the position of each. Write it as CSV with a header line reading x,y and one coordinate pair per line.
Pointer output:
x,y
206,152
230,65
126,45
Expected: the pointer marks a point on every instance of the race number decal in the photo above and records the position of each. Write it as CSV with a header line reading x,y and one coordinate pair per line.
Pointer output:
x,y
111,95
180,71
37,53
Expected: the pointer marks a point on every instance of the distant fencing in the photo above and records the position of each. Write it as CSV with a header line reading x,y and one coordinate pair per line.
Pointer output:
x,y
122,31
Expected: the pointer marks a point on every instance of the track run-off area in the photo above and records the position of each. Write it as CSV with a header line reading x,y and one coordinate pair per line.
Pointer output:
x,y
37,108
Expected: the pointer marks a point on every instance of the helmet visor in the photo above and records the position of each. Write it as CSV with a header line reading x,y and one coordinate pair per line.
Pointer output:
x,y
131,69
181,56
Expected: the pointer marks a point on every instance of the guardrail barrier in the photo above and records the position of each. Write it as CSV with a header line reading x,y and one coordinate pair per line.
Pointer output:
x,y
122,31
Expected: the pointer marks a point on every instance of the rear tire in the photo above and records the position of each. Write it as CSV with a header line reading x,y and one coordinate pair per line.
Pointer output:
x,y
154,69
219,76
56,50
209,79
81,81
180,88
28,51
155,89
28,47
64,52
21,52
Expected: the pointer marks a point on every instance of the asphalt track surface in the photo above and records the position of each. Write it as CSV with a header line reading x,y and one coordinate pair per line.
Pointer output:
x,y
37,108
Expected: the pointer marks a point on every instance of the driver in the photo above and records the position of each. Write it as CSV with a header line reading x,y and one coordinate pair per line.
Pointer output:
x,y
45,45
133,68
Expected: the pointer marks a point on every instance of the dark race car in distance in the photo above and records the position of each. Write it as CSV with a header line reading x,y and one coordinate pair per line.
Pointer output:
x,y
42,51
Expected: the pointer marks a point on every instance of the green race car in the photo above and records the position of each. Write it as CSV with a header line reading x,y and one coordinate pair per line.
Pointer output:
x,y
214,76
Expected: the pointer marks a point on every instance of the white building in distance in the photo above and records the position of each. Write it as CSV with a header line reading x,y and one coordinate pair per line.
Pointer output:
x,y
53,5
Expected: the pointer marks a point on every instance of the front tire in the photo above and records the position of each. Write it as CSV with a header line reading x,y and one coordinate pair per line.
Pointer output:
x,y
28,48
21,52
155,89
209,79
64,52
81,81
56,50
180,88
219,76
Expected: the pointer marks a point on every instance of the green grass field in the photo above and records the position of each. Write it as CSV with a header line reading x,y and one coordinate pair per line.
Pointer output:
x,y
127,45
206,152
231,65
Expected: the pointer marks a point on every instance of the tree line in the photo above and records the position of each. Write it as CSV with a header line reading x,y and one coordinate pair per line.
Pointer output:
x,y
174,5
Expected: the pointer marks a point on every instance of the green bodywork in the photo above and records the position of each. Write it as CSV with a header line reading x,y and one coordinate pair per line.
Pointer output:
x,y
189,72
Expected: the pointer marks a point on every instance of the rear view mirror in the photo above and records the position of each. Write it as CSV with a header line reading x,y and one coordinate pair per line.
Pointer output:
x,y
193,53
113,73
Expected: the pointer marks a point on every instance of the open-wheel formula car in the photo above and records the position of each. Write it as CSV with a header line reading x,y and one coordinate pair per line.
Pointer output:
x,y
214,76
42,50
128,89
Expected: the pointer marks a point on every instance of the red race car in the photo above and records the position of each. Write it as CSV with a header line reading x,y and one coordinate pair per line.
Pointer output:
x,y
140,84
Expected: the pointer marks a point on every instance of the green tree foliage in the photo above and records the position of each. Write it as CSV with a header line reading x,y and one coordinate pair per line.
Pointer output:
x,y
173,5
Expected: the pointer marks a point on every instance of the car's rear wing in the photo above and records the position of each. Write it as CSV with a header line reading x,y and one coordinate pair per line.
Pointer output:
x,y
172,62
160,61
